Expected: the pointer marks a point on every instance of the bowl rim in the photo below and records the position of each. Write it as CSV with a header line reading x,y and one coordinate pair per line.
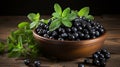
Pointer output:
x,y
92,40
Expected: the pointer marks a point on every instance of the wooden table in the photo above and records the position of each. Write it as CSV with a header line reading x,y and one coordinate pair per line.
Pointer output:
x,y
112,43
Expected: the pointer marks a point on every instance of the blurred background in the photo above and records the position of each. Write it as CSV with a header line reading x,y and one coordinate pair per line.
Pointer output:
x,y
45,7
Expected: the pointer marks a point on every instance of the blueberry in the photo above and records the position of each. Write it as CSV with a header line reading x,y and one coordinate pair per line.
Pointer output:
x,y
101,56
107,56
49,32
79,28
81,65
95,56
26,61
71,37
86,31
87,36
74,29
101,30
103,51
92,32
96,62
61,30
40,32
102,64
60,39
81,35
76,35
51,37
46,35
98,52
46,27
93,36
37,63
97,33
38,29
64,35
54,33
41,25
77,24
68,30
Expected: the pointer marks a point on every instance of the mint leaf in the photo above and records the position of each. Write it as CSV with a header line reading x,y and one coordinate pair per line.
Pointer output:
x,y
90,17
33,16
33,25
66,12
23,24
72,15
58,9
67,23
54,25
83,12
55,15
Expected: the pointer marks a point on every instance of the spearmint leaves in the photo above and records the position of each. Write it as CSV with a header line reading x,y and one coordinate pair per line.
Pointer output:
x,y
90,17
33,24
58,9
33,16
66,12
83,12
54,25
22,25
67,23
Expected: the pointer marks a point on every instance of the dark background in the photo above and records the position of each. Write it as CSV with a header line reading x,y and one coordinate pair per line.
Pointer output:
x,y
45,7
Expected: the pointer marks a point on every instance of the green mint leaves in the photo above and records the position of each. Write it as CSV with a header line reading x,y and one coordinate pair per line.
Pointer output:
x,y
58,9
84,12
35,18
61,17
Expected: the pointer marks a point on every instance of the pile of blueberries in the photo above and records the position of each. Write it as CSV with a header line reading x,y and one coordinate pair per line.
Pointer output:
x,y
81,29
98,58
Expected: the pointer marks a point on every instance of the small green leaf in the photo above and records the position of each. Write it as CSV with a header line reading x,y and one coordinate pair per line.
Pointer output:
x,y
54,25
72,16
33,25
90,17
67,23
83,12
33,16
44,21
66,12
23,24
58,9
55,15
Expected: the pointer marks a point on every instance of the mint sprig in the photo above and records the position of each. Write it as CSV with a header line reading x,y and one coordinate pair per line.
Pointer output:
x,y
61,17
35,18
84,12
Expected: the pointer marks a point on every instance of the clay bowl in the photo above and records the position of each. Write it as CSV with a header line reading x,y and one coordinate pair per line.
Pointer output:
x,y
69,50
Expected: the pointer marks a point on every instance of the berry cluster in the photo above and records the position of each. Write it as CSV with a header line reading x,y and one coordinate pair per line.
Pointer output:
x,y
98,58
28,62
81,29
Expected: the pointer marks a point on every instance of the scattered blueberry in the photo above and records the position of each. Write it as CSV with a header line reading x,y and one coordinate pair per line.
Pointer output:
x,y
37,63
81,65
26,61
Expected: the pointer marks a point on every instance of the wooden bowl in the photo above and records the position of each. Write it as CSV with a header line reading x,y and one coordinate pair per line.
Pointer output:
x,y
69,50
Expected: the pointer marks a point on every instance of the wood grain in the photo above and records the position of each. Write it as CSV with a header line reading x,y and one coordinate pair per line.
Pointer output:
x,y
112,43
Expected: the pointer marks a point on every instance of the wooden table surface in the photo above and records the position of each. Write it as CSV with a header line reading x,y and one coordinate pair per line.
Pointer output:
x,y
112,43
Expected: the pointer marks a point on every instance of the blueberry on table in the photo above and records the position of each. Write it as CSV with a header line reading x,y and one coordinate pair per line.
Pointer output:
x,y
37,63
81,65
96,62
26,61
